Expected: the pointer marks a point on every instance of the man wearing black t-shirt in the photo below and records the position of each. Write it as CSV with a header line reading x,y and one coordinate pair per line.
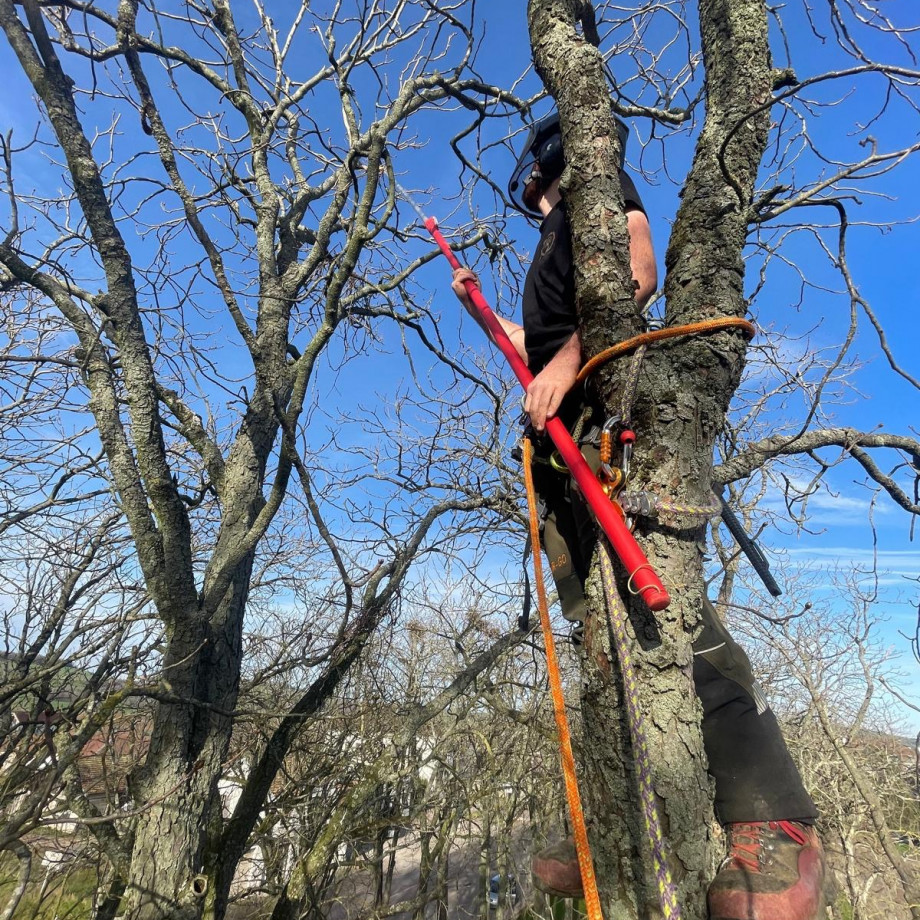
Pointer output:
x,y
775,868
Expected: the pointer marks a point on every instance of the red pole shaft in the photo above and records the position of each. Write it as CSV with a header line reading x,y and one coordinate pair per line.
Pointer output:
x,y
642,576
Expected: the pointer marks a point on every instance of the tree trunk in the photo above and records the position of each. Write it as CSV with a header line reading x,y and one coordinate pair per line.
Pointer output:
x,y
170,857
680,407
178,867
485,864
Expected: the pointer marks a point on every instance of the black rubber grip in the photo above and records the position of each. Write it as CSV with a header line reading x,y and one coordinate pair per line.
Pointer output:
x,y
750,549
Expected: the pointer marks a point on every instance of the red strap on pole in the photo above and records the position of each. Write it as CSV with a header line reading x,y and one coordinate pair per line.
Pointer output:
x,y
642,577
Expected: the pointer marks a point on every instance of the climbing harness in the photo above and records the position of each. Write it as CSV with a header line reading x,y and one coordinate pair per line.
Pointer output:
x,y
638,345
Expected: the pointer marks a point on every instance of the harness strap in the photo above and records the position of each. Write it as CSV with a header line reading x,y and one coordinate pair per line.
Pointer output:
x,y
579,830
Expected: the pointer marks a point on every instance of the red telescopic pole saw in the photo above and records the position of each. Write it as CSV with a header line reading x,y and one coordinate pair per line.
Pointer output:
x,y
642,577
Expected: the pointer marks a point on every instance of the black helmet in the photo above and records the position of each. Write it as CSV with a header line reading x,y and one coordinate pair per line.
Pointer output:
x,y
542,157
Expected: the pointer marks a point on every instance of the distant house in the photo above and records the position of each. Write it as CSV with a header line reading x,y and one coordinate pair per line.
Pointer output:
x,y
107,759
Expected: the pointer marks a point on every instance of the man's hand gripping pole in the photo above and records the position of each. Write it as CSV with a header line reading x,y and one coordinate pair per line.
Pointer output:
x,y
642,577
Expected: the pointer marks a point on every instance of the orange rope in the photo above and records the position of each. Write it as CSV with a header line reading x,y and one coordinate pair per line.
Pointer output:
x,y
579,831
646,338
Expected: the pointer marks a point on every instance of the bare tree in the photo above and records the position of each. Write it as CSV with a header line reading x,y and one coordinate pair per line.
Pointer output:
x,y
685,390
186,308
199,276
79,629
826,670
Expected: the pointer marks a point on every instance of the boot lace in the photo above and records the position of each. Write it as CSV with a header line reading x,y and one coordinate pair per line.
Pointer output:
x,y
746,847
747,842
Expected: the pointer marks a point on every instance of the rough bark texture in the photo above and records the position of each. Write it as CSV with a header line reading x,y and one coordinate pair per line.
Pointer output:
x,y
189,744
179,858
684,392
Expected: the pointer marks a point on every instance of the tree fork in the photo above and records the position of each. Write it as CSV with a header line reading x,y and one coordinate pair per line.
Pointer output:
x,y
680,408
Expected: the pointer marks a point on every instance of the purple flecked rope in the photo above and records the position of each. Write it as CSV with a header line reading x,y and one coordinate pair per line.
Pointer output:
x,y
667,891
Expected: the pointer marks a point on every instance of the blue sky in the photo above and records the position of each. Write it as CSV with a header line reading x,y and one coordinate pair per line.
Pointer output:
x,y
884,240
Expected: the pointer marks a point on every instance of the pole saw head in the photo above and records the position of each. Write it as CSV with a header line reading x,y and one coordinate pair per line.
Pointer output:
x,y
542,158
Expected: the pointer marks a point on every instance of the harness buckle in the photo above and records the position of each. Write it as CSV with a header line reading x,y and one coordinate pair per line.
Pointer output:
x,y
557,463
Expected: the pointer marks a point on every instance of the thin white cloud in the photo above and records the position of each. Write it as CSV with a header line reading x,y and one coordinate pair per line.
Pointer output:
x,y
890,560
823,501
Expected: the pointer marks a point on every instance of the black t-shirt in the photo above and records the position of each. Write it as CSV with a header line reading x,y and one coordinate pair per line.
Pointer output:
x,y
549,316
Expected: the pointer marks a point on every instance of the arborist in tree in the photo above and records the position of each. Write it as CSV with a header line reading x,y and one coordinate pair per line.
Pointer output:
x,y
775,868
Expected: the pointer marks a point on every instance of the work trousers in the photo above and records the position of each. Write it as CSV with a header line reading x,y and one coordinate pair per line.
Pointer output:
x,y
755,778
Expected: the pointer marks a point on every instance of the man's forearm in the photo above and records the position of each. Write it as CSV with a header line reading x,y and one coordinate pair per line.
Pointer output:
x,y
568,358
545,394
514,332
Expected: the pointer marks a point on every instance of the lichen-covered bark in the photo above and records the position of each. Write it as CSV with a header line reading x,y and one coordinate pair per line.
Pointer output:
x,y
571,69
684,391
201,668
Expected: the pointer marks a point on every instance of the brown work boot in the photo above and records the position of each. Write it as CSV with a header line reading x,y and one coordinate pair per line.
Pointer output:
x,y
555,870
774,871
